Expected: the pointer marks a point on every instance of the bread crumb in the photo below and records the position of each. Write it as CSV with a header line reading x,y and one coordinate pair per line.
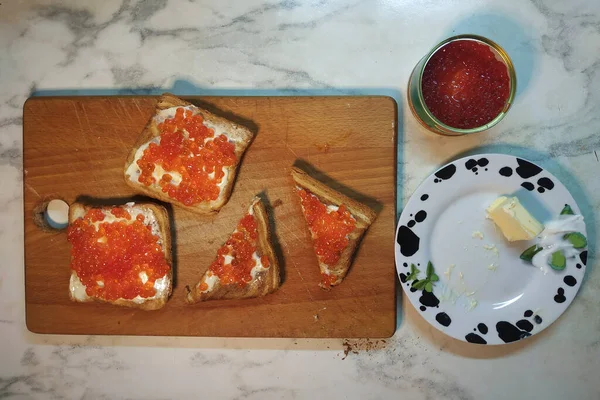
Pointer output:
x,y
448,271
472,304
492,248
355,345
477,235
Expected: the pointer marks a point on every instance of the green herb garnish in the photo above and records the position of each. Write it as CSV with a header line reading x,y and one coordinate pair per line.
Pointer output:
x,y
423,284
576,239
567,210
414,272
528,254
558,261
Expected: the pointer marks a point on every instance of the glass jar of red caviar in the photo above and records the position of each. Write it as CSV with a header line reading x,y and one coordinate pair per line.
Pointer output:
x,y
465,84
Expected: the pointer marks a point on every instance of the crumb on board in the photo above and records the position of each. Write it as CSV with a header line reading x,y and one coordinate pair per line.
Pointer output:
x,y
277,203
355,346
316,315
324,147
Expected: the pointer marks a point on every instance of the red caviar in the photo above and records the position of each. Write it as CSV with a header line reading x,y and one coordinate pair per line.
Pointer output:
x,y
115,254
328,280
241,246
464,85
329,229
194,156
120,212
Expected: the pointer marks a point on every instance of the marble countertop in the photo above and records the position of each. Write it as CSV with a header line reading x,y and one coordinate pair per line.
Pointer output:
x,y
264,47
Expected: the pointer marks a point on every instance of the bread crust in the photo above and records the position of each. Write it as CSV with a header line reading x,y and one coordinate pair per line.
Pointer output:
x,y
241,135
77,210
267,281
364,218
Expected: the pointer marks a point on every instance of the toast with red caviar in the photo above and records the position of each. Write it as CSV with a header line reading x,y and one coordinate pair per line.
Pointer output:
x,y
187,156
245,265
120,255
336,224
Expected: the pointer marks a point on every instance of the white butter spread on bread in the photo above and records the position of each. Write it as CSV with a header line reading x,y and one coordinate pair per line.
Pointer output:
x,y
149,219
77,289
161,285
210,280
168,113
134,171
258,268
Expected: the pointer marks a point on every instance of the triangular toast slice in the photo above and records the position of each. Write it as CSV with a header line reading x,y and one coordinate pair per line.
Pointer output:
x,y
336,224
187,156
245,265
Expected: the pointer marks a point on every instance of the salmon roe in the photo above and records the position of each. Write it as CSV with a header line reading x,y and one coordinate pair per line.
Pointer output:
x,y
328,280
241,246
329,229
189,149
464,85
108,260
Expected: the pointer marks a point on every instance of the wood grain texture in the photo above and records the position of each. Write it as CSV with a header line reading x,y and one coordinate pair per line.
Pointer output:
x,y
74,148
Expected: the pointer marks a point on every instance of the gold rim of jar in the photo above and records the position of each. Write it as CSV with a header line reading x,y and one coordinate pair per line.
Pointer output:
x,y
422,112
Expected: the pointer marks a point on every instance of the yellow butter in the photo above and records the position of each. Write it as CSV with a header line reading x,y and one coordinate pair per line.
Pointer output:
x,y
515,222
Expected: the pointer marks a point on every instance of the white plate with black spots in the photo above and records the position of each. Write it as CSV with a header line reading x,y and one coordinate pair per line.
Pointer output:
x,y
484,293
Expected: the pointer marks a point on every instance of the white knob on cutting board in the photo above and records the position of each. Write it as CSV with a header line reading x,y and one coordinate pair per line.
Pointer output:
x,y
57,214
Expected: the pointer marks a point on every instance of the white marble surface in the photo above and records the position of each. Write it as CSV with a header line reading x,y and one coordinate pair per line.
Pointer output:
x,y
322,47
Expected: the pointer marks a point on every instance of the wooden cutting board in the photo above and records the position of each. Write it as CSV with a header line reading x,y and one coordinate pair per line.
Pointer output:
x,y
75,148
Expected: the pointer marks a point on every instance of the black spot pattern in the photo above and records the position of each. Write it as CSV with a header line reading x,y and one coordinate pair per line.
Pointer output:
x,y
570,280
546,183
422,308
445,173
560,296
508,333
528,313
578,266
405,265
403,277
506,171
420,216
482,328
428,299
583,257
526,169
443,319
475,338
528,185
408,241
525,325
424,197
411,223
537,319
472,164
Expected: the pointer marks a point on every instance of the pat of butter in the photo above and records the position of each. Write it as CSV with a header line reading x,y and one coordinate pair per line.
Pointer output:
x,y
515,222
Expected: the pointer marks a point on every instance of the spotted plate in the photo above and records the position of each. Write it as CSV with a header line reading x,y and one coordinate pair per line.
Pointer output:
x,y
485,293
